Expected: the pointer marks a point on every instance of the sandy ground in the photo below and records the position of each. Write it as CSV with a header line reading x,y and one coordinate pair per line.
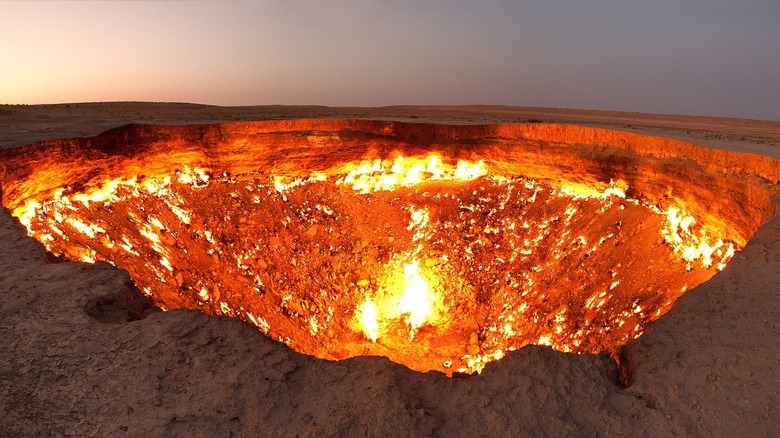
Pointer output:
x,y
22,124
70,366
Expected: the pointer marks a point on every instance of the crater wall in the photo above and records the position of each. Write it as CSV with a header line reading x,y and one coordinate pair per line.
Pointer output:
x,y
729,191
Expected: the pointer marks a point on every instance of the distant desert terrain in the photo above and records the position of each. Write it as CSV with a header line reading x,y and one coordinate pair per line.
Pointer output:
x,y
71,365
22,124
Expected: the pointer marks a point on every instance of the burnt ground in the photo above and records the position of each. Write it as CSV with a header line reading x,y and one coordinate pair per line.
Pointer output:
x,y
77,360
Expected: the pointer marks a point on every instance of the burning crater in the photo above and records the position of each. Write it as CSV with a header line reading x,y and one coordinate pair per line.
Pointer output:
x,y
440,247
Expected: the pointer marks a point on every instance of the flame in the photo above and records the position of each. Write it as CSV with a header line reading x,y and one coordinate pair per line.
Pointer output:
x,y
615,188
101,194
413,304
417,300
367,315
692,246
194,177
377,175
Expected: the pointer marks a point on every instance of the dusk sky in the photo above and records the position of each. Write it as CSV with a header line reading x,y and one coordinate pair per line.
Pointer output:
x,y
703,57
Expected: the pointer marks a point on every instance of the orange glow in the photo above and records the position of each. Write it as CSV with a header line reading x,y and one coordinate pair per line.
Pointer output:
x,y
435,262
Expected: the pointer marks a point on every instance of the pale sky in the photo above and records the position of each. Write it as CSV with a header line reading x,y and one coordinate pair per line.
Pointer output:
x,y
703,57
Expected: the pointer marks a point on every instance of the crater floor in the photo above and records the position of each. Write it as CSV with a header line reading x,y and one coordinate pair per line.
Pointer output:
x,y
323,266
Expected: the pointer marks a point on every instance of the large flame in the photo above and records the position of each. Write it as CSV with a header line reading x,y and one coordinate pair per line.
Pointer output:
x,y
410,301
367,315
417,301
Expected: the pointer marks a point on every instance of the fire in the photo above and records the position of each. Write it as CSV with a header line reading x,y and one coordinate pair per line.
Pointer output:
x,y
368,319
615,188
411,302
417,301
378,175
350,259
693,246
